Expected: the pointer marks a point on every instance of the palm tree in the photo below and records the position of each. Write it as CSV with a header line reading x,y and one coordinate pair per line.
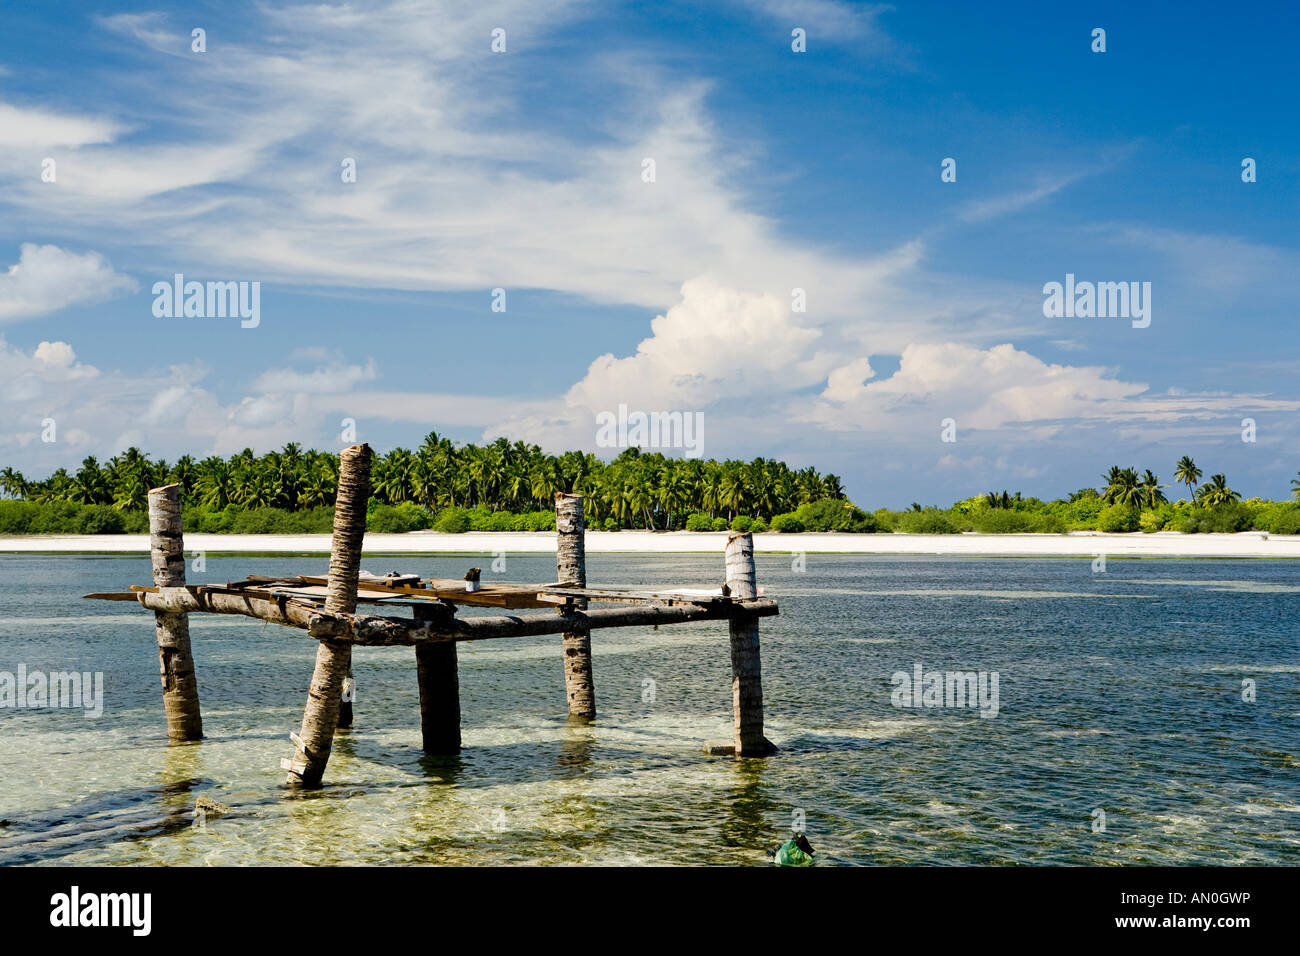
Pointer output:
x,y
1151,495
1217,492
1123,487
13,483
215,485
832,487
1187,473
1111,479
645,489
731,492
89,484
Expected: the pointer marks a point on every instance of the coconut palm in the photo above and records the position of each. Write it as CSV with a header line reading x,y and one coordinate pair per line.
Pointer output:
x,y
1216,492
1187,473
1123,487
12,483
1149,490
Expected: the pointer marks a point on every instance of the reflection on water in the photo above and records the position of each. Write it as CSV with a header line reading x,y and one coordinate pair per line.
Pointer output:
x,y
1120,691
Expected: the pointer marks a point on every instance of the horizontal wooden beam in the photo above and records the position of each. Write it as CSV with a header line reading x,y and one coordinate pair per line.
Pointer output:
x,y
443,625
276,611
374,630
554,594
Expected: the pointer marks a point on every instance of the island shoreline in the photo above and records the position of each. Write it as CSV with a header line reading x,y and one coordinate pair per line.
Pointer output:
x,y
1247,544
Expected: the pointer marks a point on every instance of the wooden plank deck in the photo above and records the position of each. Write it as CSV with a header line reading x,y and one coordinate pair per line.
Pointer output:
x,y
415,590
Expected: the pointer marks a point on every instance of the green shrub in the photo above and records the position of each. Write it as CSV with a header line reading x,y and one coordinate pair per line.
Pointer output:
x,y
385,519
1223,519
1047,523
203,521
831,514
1280,517
501,521
1003,521
788,523
925,521
1117,519
101,519
699,522
1151,521
538,521
612,525
1009,521
742,523
719,524
452,521
16,516
1082,515
56,517
759,526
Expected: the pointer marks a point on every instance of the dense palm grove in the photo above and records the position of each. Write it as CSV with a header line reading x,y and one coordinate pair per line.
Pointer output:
x,y
511,487
635,490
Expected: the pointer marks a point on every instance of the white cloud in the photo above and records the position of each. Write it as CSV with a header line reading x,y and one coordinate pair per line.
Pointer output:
x,y
460,187
56,354
24,128
324,380
715,343
832,21
980,388
847,382
47,278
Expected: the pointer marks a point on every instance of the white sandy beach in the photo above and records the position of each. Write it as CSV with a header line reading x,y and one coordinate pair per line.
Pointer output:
x,y
1076,544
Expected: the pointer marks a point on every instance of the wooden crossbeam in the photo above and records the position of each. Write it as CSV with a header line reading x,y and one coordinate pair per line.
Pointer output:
x,y
562,595
375,630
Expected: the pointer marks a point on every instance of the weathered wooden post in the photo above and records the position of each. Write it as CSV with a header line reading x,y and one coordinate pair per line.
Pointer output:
x,y
746,666
334,658
436,668
175,659
571,563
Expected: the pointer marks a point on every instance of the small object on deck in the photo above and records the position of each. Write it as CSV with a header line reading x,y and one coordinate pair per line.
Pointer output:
x,y
796,851
726,589
471,579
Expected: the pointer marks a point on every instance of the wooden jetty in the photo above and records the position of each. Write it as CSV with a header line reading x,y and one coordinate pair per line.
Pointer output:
x,y
326,608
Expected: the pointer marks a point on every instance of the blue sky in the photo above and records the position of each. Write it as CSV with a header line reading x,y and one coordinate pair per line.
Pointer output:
x,y
774,170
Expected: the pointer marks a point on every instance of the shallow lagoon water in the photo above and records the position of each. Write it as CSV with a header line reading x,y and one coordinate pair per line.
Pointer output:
x,y
1119,691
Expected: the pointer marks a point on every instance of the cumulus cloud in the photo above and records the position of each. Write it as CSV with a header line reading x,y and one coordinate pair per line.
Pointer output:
x,y
717,345
981,388
47,278
713,344
847,382
167,412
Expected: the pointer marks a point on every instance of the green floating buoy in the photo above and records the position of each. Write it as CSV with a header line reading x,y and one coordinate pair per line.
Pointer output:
x,y
796,851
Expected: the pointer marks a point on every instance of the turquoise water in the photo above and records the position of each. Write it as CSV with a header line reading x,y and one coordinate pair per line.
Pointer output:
x,y
1120,692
